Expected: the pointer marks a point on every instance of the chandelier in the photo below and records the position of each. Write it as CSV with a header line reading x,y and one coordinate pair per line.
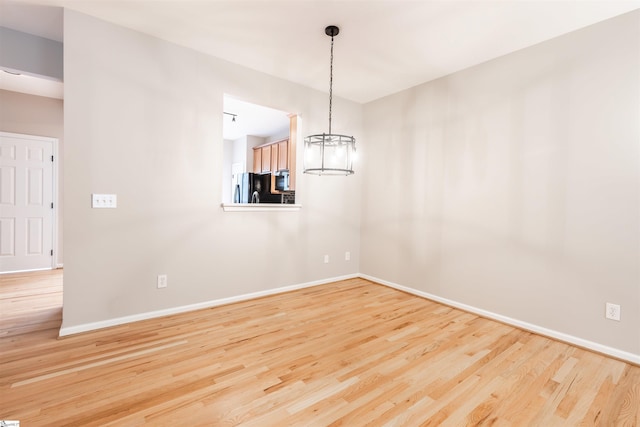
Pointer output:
x,y
329,153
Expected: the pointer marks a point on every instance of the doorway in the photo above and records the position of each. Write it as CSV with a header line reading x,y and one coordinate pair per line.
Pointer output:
x,y
27,208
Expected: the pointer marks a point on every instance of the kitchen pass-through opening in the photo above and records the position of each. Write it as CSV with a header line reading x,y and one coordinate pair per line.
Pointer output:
x,y
259,154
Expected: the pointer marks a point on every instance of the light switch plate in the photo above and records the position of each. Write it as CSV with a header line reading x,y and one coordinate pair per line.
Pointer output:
x,y
102,201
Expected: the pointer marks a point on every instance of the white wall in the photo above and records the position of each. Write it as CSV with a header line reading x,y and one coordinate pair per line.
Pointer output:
x,y
40,116
514,186
227,161
252,141
143,120
279,137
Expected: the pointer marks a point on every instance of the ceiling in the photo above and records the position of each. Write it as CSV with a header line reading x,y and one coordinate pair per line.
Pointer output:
x,y
32,85
252,119
383,47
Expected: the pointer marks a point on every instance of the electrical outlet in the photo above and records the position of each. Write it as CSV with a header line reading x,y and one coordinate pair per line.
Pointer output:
x,y
613,311
162,281
326,259
347,256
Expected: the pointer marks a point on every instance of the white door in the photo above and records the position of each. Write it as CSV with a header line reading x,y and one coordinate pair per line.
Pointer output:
x,y
26,202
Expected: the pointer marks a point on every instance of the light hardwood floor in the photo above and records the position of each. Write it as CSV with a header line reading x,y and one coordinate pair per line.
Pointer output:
x,y
30,302
348,353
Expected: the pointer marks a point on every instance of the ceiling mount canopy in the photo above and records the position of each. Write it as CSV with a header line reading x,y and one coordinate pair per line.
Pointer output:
x,y
329,153
332,31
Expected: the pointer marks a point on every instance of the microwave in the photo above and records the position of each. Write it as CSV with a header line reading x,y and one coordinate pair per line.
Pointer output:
x,y
281,180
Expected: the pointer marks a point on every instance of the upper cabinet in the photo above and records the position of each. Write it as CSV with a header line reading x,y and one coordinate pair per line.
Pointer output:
x,y
283,155
257,160
271,157
266,159
274,157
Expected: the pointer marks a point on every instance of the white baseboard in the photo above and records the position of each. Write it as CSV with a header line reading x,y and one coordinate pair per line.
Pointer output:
x,y
590,345
610,351
33,270
86,327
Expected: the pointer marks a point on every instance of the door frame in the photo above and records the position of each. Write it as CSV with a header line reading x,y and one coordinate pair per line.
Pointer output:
x,y
54,189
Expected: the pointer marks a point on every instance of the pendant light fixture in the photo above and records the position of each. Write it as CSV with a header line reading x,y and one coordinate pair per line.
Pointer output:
x,y
329,153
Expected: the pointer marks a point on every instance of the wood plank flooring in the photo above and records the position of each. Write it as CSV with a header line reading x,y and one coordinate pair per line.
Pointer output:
x,y
30,302
349,353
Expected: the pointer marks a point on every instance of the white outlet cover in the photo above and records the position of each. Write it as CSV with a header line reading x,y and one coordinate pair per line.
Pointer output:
x,y
612,311
162,281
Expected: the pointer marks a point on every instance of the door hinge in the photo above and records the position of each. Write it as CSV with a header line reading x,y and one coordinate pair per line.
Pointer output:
x,y
51,205
52,158
51,252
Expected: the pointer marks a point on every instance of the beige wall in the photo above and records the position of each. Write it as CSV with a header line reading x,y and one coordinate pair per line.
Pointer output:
x,y
143,120
514,186
40,116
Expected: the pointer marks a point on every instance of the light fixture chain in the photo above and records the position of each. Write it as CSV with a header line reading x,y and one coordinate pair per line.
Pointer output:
x,y
331,85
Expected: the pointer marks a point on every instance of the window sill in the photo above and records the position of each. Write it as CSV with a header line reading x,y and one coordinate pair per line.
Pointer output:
x,y
259,207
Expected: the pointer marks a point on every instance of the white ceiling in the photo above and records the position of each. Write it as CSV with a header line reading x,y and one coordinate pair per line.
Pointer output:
x,y
32,85
383,47
252,119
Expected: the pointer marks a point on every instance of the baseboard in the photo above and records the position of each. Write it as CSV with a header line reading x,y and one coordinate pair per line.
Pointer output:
x,y
570,339
26,271
86,327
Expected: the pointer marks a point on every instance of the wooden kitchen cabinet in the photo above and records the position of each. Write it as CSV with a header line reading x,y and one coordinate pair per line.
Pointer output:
x,y
271,157
283,155
266,159
257,160
274,157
